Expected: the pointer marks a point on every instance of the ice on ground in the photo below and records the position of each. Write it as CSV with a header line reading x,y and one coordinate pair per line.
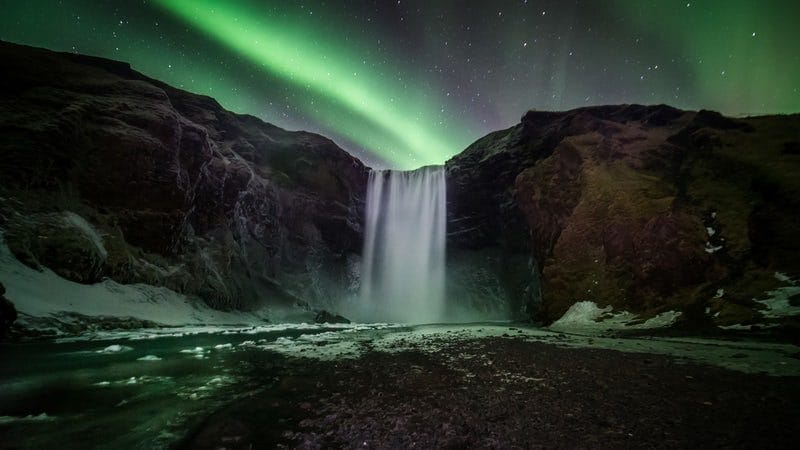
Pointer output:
x,y
144,379
343,341
581,314
155,333
771,358
736,326
219,380
149,358
778,304
586,316
780,276
116,348
43,417
194,351
325,346
204,390
197,352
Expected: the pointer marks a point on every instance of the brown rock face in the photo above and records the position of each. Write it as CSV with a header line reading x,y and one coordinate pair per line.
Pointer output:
x,y
168,188
643,208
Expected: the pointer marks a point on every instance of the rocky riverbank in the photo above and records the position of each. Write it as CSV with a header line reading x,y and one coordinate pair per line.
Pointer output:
x,y
508,392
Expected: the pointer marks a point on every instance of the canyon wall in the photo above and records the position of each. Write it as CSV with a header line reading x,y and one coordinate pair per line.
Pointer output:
x,y
109,174
643,208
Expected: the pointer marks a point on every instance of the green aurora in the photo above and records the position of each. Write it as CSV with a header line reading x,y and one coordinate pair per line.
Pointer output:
x,y
405,84
300,55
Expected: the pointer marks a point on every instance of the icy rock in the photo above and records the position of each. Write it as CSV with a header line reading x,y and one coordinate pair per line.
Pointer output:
x,y
116,348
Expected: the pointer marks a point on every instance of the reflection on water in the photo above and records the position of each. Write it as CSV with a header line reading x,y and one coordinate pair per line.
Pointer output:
x,y
126,393
149,389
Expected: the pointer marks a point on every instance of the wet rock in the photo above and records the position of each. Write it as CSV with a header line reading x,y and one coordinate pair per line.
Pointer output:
x,y
63,242
8,314
327,317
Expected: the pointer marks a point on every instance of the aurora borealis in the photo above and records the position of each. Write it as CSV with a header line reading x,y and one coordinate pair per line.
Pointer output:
x,y
410,83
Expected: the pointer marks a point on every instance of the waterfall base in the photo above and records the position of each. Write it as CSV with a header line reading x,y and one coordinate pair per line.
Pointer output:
x,y
403,271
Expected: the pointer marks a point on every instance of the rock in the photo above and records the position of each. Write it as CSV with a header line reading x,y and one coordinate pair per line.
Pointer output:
x,y
108,173
644,208
8,314
327,317
63,242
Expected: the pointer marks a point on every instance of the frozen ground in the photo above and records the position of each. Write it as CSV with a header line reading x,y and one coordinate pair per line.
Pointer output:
x,y
155,386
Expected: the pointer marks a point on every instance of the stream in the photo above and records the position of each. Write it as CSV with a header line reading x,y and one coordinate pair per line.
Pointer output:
x,y
147,389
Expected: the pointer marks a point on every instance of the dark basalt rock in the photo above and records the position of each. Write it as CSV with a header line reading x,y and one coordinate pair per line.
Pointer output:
x,y
645,208
174,190
327,317
8,314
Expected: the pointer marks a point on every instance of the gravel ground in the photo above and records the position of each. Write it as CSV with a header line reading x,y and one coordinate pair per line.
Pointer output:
x,y
505,392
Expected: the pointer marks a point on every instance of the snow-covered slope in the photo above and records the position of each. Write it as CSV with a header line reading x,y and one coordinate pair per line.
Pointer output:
x,y
42,298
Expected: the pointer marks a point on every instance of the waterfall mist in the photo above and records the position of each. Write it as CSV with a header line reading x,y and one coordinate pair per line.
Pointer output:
x,y
403,268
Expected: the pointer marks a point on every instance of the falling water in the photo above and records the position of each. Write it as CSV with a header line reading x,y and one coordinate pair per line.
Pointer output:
x,y
404,248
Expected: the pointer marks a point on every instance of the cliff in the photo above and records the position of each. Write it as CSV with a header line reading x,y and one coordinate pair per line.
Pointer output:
x,y
642,208
107,174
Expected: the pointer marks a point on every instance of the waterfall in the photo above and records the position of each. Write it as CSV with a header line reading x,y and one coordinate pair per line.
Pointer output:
x,y
404,248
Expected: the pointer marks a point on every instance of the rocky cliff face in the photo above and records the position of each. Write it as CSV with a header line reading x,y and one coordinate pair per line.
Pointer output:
x,y
106,173
646,209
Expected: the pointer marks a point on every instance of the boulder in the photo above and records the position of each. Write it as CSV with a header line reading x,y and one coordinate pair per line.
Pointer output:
x,y
327,317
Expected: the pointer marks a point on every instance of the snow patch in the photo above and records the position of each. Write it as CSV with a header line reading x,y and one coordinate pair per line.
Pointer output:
x,y
116,348
191,330
778,304
586,316
780,276
43,417
45,295
197,352
327,346
580,314
149,358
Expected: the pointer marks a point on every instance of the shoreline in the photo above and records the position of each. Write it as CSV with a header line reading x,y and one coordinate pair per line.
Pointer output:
x,y
498,392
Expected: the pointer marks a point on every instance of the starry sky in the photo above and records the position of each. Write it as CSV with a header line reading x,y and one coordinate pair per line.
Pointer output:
x,y
403,83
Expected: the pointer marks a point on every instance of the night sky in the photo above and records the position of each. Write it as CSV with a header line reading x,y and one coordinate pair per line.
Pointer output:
x,y
409,83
